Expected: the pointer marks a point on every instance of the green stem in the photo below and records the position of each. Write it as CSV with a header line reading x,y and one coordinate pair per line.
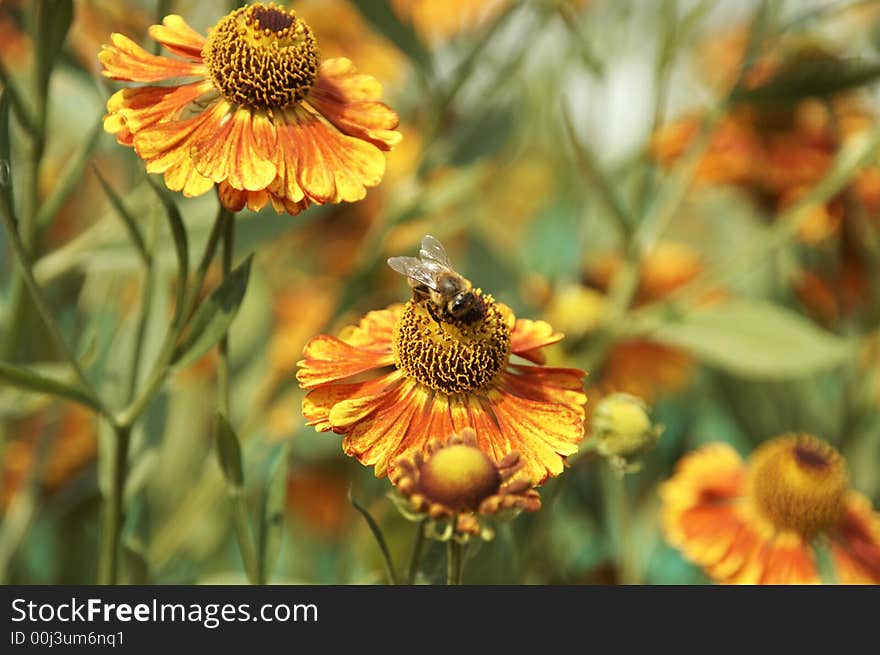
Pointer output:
x,y
379,537
617,511
416,557
162,364
108,562
244,534
223,347
243,529
454,562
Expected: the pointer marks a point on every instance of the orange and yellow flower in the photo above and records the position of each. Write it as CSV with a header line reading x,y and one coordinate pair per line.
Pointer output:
x,y
758,522
401,377
251,109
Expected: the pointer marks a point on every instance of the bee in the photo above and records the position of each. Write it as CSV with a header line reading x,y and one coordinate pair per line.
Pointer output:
x,y
448,296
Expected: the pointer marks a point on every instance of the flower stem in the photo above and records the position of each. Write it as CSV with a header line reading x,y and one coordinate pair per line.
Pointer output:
x,y
226,221
228,245
454,562
108,562
161,366
380,538
619,519
416,557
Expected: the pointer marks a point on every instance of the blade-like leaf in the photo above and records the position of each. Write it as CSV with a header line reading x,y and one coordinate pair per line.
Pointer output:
x,y
229,452
755,339
274,495
214,316
54,18
382,18
32,381
819,76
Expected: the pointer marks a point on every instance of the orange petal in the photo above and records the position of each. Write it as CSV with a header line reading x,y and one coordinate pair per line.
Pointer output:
x,y
788,560
333,167
178,37
148,105
318,403
560,385
542,432
349,101
375,330
856,543
234,154
126,60
165,147
702,511
233,199
328,359
379,439
491,439
528,336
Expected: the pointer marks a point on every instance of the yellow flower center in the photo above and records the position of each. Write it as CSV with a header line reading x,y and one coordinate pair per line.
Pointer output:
x,y
262,56
798,482
459,476
451,357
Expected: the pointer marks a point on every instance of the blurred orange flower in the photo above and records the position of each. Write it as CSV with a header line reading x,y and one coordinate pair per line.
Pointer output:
x,y
755,522
74,443
401,377
440,20
264,118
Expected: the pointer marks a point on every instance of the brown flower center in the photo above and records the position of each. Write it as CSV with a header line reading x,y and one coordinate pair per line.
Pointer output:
x,y
459,476
798,482
452,357
262,56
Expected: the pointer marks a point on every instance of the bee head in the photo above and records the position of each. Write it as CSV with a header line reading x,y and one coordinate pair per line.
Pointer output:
x,y
465,306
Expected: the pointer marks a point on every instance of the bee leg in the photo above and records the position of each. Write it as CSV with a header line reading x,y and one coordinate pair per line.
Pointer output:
x,y
430,307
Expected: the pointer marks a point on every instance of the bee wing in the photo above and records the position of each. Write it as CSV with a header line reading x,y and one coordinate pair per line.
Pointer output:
x,y
433,251
414,269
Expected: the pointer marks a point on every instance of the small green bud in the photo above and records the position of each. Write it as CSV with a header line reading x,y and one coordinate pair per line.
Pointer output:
x,y
623,431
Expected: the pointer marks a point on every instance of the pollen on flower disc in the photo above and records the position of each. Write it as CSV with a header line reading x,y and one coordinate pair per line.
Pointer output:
x,y
798,482
262,57
452,357
459,476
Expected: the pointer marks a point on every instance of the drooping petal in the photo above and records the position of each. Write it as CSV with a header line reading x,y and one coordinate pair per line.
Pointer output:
x,y
236,153
561,385
166,147
328,359
178,37
145,106
529,336
319,402
377,440
856,543
126,60
544,433
703,489
350,102
789,560
331,166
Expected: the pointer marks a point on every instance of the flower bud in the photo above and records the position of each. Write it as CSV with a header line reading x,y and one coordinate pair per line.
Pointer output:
x,y
623,431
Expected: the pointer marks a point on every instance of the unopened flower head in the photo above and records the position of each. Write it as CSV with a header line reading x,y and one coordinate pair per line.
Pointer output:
x,y
456,484
623,431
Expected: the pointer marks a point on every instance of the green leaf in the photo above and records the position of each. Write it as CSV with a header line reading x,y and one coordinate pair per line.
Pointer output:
x,y
382,18
54,18
228,451
214,316
31,381
755,339
181,243
812,75
274,496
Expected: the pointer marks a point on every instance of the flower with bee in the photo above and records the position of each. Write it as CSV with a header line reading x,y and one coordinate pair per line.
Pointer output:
x,y
450,358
